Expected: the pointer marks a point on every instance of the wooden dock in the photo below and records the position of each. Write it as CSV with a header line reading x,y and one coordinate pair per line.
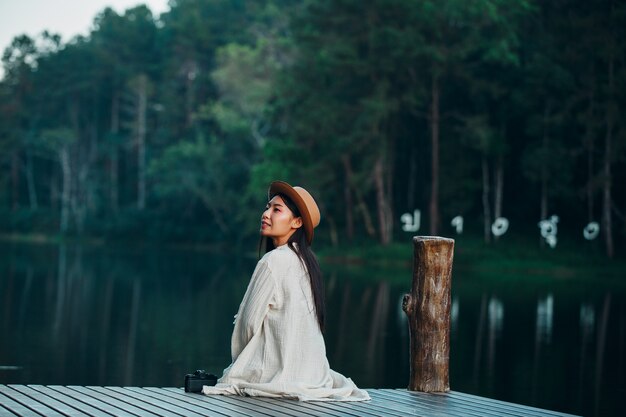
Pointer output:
x,y
59,401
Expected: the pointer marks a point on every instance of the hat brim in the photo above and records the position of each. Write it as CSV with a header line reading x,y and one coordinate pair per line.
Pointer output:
x,y
281,187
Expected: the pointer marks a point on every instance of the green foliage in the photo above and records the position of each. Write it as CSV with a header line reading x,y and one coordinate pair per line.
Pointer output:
x,y
203,107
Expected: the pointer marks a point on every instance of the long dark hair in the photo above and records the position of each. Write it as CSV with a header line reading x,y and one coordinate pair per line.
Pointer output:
x,y
307,257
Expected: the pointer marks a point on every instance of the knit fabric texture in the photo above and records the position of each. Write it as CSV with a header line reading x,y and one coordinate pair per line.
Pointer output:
x,y
277,347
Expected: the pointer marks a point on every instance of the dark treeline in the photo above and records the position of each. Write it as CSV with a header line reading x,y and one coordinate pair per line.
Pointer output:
x,y
170,127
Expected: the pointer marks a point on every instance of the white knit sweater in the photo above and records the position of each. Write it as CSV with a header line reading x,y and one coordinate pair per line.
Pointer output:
x,y
277,347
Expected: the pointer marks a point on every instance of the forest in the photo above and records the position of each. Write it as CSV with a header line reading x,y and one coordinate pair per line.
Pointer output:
x,y
169,128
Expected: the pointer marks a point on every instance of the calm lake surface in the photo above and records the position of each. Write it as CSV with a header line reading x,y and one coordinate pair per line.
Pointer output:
x,y
146,317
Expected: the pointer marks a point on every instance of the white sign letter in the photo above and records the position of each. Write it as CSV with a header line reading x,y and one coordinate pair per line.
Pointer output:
x,y
591,231
500,226
411,223
548,230
458,223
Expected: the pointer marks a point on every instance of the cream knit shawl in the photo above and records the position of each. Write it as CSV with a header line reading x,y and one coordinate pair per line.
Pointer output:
x,y
277,347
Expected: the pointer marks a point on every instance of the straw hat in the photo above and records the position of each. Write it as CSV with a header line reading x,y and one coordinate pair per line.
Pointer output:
x,y
307,206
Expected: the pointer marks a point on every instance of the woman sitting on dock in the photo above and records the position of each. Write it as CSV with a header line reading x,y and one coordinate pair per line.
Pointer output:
x,y
277,344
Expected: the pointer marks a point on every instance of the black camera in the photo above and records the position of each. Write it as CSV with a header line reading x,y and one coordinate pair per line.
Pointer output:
x,y
194,382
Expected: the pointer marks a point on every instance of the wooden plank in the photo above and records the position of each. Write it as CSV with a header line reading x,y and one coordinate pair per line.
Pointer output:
x,y
305,408
104,407
312,407
250,403
446,402
60,407
144,405
498,404
173,406
434,403
132,396
15,408
79,401
123,405
373,407
4,412
412,408
492,405
480,405
36,406
288,406
85,408
193,405
359,408
214,401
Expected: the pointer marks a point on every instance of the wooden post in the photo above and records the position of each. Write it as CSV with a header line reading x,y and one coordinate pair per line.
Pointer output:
x,y
428,310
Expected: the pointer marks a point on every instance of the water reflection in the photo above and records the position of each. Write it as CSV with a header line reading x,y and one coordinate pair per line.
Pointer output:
x,y
601,344
454,315
75,315
111,318
545,312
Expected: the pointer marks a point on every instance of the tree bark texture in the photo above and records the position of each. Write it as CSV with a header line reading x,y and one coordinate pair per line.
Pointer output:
x,y
347,195
485,201
381,203
15,181
589,146
607,225
367,218
30,181
114,163
66,171
543,203
498,189
142,98
428,311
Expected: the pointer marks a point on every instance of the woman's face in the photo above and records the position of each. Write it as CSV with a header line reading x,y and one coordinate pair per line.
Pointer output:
x,y
278,221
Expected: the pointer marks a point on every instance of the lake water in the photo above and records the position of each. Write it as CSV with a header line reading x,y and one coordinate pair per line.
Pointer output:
x,y
146,316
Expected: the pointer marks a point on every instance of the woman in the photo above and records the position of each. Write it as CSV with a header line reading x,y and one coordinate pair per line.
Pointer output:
x,y
277,345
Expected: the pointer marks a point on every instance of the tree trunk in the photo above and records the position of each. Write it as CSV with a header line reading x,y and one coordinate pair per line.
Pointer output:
x,y
347,195
428,311
142,102
389,186
15,181
607,226
543,204
497,205
590,145
381,202
485,200
78,162
80,195
30,181
434,136
190,76
114,160
64,160
367,219
94,153
499,187
334,235
410,192
54,189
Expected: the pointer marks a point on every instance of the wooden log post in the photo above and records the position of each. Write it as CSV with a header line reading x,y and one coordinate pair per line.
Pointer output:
x,y
428,311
